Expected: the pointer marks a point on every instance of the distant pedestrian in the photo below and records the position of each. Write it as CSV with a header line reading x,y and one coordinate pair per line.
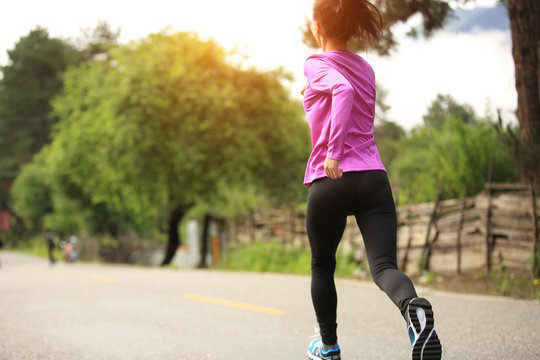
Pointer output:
x,y
73,253
346,177
51,244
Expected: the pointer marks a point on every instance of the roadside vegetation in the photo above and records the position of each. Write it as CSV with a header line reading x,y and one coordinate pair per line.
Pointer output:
x,y
281,258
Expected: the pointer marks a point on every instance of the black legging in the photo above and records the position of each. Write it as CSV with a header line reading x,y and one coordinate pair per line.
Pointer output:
x,y
366,195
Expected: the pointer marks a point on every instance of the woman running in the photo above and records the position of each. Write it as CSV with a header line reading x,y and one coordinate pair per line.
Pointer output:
x,y
346,176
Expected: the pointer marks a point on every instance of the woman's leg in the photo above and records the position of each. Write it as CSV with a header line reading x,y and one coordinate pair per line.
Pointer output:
x,y
325,223
378,224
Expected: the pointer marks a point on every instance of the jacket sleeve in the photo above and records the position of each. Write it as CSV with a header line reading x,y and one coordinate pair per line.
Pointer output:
x,y
324,78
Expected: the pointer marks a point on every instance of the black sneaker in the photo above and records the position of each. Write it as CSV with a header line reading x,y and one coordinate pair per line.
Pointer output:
x,y
424,340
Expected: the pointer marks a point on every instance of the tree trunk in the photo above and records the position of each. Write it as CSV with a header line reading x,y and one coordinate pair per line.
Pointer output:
x,y
524,18
428,243
204,241
174,241
460,230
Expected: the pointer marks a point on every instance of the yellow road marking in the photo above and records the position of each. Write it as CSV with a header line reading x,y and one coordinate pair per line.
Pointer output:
x,y
235,304
101,278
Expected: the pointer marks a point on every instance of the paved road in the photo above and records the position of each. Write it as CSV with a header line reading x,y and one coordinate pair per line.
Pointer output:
x,y
90,311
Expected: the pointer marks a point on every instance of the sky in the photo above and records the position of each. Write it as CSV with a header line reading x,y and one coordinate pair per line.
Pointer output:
x,y
474,67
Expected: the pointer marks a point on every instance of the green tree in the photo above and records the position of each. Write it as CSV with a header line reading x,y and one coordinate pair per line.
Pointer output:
x,y
30,80
32,194
454,154
95,42
387,133
381,104
45,196
163,123
444,107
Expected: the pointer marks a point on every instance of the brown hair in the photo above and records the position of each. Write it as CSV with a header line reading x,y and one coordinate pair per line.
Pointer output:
x,y
345,19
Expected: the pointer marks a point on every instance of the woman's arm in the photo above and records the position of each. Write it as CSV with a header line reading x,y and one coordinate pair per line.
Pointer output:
x,y
324,78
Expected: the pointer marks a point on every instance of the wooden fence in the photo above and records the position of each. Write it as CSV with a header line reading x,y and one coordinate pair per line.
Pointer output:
x,y
498,228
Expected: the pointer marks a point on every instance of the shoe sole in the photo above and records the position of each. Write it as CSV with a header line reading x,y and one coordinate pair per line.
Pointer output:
x,y
314,357
427,346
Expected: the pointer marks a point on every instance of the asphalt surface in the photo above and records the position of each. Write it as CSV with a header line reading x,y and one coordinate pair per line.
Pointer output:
x,y
93,311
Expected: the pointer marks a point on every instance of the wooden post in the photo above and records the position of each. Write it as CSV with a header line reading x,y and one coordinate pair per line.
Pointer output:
x,y
460,229
535,268
403,266
430,248
432,223
216,249
488,220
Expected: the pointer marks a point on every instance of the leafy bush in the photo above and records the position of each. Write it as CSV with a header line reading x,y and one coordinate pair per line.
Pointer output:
x,y
280,258
453,151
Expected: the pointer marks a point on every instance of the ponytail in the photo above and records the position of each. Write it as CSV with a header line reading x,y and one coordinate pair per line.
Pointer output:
x,y
345,19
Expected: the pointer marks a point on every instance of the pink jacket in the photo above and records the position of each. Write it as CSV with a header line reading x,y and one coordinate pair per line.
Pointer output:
x,y
339,101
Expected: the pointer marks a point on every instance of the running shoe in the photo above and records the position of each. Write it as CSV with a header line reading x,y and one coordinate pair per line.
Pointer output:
x,y
316,351
424,340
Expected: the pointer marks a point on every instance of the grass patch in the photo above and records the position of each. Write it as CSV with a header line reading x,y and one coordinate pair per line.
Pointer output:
x,y
36,246
266,257
279,258
428,278
518,285
514,284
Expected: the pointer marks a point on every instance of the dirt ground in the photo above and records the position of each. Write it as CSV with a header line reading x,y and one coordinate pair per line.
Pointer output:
x,y
517,285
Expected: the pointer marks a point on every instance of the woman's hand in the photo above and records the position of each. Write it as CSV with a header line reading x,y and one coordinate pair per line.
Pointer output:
x,y
303,89
331,168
